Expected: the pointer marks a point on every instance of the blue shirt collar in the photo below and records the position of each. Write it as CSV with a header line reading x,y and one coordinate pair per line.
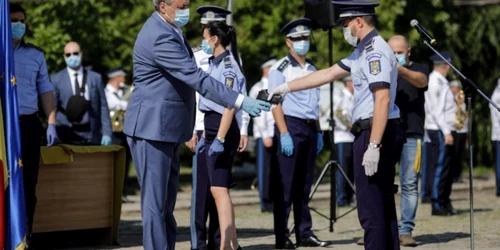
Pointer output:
x,y
218,59
367,39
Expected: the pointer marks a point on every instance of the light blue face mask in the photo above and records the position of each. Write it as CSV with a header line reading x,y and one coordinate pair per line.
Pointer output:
x,y
301,47
401,59
73,61
18,30
206,47
181,17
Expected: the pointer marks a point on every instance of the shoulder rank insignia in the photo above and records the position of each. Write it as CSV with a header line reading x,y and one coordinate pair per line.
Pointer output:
x,y
369,46
227,62
30,45
283,65
375,67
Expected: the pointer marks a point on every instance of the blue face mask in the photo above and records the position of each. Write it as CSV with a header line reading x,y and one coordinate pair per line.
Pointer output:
x,y
181,17
73,61
301,47
401,59
18,30
206,47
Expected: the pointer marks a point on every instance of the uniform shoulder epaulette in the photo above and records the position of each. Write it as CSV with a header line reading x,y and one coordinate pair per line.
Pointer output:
x,y
369,46
227,62
30,45
197,49
311,62
283,65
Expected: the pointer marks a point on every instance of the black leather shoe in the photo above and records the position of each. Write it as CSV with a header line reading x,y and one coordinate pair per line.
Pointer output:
x,y
449,208
201,248
288,244
440,212
426,200
312,241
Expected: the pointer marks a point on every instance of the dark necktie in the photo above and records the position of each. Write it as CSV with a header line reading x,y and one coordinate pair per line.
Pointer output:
x,y
77,85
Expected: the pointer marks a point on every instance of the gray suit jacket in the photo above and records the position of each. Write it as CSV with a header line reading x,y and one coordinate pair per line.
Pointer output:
x,y
99,119
162,105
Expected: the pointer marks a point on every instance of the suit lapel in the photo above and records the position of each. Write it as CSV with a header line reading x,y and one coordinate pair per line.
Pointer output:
x,y
157,17
66,81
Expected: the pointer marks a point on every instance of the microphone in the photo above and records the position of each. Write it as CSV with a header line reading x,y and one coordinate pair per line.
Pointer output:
x,y
423,33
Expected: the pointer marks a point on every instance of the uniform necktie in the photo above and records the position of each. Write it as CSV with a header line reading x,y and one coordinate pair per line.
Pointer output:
x,y
77,85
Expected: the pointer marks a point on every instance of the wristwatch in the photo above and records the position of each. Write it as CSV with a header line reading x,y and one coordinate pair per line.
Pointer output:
x,y
221,139
374,144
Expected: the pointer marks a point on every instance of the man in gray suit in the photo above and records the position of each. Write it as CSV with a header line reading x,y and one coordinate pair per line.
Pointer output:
x,y
82,110
160,114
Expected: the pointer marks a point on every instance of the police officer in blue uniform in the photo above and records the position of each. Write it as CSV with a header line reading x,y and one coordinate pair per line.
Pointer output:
x,y
378,135
298,138
202,201
221,138
32,83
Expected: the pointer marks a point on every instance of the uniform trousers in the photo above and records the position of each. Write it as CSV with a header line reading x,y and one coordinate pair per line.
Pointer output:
x,y
346,161
119,138
293,178
202,206
157,167
30,152
439,174
266,158
459,140
496,156
375,194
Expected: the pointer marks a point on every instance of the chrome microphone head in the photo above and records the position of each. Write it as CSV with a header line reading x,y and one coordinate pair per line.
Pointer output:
x,y
413,23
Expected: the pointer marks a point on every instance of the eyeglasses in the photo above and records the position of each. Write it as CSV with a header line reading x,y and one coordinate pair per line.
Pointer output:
x,y
301,38
74,53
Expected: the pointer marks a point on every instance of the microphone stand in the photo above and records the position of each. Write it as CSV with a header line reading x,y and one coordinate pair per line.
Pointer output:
x,y
469,134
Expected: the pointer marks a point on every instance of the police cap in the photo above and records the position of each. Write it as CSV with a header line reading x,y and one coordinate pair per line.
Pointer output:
x,y
210,13
438,60
297,28
116,72
348,9
268,63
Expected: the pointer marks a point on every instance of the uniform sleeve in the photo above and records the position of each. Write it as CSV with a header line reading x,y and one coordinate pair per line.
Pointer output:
x,y
276,78
346,63
495,114
199,119
105,119
377,69
437,97
43,84
245,118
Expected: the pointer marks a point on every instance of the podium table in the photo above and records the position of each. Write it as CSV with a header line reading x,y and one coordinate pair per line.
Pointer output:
x,y
80,187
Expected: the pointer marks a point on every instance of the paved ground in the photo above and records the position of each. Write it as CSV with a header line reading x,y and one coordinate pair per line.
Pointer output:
x,y
255,229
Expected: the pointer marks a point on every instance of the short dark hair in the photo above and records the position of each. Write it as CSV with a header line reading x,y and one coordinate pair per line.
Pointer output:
x,y
370,20
14,7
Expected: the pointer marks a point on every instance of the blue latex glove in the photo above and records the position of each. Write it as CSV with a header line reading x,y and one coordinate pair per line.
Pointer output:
x,y
216,148
253,107
51,135
320,142
200,146
286,144
106,140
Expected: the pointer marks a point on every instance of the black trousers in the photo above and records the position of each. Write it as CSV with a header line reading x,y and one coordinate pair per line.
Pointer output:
x,y
30,152
457,163
439,175
119,138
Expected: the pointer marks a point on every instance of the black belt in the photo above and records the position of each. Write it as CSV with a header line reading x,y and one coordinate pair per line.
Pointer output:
x,y
81,127
366,124
28,117
308,121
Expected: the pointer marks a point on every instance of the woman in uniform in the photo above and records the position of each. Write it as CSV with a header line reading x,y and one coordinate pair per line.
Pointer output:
x,y
221,137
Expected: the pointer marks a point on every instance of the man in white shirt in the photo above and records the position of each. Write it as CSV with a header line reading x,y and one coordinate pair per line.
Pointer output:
x,y
343,141
263,132
460,137
495,133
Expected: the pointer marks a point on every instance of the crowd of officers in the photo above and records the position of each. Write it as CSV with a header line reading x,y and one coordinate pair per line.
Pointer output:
x,y
81,109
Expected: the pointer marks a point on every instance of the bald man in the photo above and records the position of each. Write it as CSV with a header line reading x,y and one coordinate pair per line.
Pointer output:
x,y
82,110
412,83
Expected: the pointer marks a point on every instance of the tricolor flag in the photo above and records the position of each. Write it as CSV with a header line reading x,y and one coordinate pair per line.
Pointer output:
x,y
15,209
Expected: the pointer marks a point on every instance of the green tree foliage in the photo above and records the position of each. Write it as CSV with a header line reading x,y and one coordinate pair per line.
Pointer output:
x,y
106,30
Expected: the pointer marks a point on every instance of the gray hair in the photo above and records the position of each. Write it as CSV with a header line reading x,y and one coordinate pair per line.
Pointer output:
x,y
156,2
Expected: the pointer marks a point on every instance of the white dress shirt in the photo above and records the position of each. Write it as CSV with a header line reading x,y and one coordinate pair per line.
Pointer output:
x,y
71,73
495,115
342,132
440,106
263,126
114,97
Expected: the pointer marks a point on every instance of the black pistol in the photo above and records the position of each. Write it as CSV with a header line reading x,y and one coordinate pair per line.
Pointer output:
x,y
264,95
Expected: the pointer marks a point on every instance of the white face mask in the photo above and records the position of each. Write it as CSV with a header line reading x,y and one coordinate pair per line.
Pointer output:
x,y
352,40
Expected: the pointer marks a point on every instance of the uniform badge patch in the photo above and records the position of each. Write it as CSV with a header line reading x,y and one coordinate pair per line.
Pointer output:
x,y
375,67
229,82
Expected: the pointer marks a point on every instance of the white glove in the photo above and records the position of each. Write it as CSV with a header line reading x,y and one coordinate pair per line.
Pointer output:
x,y
370,160
281,90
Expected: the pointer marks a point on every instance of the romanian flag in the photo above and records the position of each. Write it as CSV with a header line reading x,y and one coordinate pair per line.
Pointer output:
x,y
15,219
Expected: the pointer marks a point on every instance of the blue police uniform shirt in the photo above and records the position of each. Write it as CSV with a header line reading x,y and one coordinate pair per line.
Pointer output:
x,y
372,64
32,77
302,104
225,69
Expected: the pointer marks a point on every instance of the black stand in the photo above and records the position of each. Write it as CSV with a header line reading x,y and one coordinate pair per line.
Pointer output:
x,y
471,86
333,160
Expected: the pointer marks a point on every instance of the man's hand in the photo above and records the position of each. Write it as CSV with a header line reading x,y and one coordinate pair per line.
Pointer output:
x,y
253,107
268,142
106,140
200,146
370,160
243,143
51,135
216,148
191,144
286,144
281,90
448,139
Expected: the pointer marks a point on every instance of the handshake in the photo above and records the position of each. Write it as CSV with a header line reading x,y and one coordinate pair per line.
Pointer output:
x,y
264,100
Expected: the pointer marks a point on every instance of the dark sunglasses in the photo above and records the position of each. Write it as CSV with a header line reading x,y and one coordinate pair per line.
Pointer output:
x,y
74,53
302,38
